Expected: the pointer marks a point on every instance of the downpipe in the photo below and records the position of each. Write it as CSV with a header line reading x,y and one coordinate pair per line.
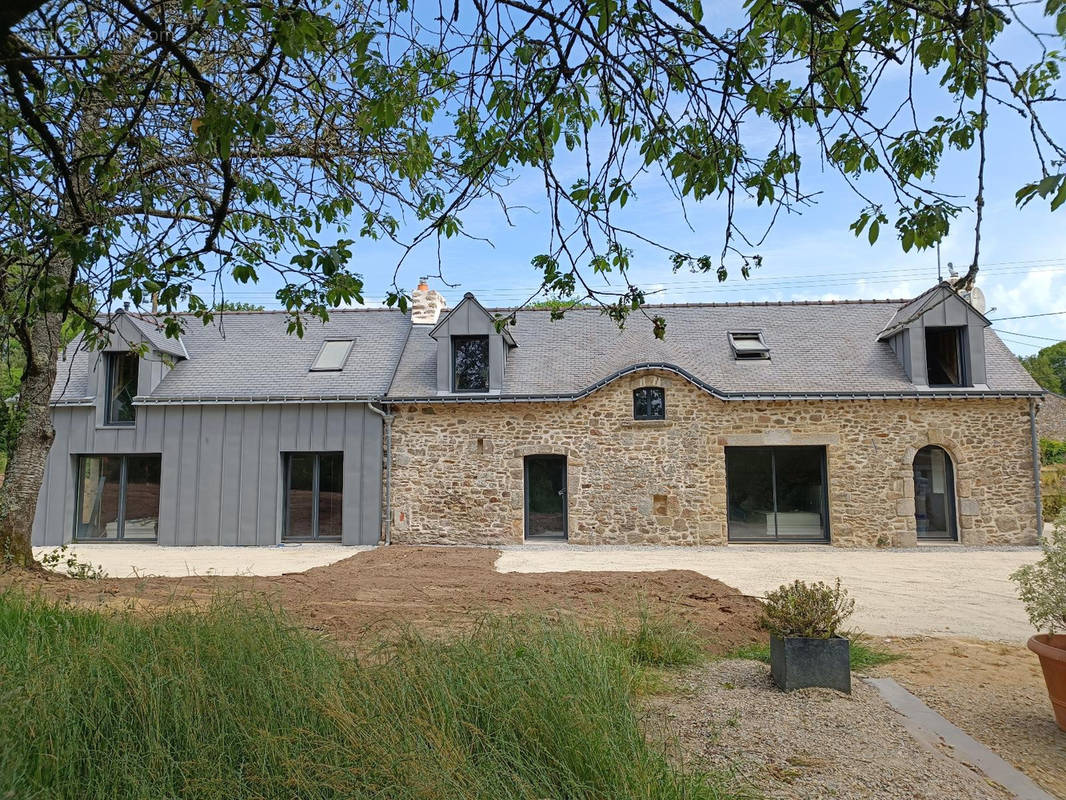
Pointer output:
x,y
1036,470
387,419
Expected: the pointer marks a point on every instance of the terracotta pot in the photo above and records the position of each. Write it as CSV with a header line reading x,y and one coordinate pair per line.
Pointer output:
x,y
1052,652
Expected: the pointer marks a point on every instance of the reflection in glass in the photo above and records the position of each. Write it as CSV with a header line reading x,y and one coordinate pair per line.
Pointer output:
x,y
934,494
329,495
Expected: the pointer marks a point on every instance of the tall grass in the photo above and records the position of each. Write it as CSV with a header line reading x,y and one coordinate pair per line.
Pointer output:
x,y
236,703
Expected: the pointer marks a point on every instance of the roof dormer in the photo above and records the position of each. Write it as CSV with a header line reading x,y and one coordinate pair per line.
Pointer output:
x,y
136,357
939,339
471,352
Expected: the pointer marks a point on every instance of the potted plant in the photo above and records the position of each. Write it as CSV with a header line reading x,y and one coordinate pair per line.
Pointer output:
x,y
806,648
1042,587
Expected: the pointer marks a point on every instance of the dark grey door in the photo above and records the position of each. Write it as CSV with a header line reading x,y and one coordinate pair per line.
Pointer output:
x,y
545,497
934,494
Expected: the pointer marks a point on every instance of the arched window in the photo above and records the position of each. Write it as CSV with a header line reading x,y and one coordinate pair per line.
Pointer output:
x,y
934,494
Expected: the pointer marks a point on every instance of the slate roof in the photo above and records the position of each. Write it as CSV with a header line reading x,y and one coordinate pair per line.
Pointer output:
x,y
245,355
816,348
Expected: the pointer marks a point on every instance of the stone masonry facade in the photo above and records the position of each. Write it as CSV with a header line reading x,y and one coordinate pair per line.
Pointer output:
x,y
457,472
1051,420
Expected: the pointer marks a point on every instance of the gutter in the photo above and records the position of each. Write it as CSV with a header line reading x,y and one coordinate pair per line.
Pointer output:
x,y
387,419
1036,471
935,394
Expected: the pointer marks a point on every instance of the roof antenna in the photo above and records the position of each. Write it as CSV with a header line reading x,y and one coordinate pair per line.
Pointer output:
x,y
951,270
939,274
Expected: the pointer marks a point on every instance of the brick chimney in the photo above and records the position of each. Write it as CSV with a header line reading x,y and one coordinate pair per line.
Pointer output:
x,y
426,304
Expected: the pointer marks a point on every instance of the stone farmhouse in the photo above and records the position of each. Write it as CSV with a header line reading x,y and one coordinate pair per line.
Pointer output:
x,y
855,423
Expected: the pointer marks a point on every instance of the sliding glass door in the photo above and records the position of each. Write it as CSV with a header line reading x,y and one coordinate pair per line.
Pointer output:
x,y
314,491
118,498
776,494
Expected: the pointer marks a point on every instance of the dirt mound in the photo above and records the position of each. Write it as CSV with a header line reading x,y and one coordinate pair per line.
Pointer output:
x,y
437,590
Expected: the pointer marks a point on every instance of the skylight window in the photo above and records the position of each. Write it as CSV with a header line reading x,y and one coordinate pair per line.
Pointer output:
x,y
748,345
332,355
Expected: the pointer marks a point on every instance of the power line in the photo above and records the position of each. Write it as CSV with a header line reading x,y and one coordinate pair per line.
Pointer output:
x,y
1028,316
1028,335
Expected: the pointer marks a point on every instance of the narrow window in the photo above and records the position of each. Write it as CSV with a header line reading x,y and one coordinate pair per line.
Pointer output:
x,y
118,498
470,363
332,355
934,494
649,402
748,345
945,357
121,388
313,495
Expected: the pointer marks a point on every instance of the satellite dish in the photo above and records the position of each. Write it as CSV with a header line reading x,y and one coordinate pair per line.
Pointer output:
x,y
976,299
974,296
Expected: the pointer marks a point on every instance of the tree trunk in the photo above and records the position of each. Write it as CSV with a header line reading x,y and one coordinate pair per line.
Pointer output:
x,y
25,470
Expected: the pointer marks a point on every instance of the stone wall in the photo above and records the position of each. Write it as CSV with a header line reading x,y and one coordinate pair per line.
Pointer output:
x,y
1051,419
458,468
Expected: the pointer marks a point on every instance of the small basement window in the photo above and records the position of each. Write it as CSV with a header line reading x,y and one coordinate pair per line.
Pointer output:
x,y
945,357
748,345
332,355
649,402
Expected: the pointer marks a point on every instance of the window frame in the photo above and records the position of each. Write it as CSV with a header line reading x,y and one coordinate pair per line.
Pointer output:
x,y
649,417
316,490
760,353
962,355
123,491
773,449
488,363
110,371
322,348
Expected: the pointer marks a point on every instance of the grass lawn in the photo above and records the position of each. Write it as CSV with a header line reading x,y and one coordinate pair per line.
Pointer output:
x,y
237,702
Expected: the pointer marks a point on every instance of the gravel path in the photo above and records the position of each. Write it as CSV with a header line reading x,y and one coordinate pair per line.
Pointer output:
x,y
928,591
810,744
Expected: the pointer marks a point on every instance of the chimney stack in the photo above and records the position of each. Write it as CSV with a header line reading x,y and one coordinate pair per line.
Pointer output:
x,y
426,304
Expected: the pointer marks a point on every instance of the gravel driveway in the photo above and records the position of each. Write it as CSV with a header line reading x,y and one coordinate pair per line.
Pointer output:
x,y
936,591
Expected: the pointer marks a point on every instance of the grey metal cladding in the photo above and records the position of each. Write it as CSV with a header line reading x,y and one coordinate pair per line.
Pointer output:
x,y
250,355
815,347
221,476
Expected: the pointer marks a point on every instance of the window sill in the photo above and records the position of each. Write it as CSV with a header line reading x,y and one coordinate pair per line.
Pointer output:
x,y
647,423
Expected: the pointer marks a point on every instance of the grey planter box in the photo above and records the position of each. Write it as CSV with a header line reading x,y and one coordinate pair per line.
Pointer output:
x,y
797,663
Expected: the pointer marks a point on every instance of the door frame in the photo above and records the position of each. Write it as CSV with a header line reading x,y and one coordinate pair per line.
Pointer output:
x,y
950,501
562,461
826,538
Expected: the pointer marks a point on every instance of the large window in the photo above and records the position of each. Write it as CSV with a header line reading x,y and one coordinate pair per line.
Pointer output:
x,y
945,357
314,489
470,363
649,402
121,388
776,494
118,498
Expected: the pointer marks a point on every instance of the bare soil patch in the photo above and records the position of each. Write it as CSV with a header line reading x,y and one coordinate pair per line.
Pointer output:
x,y
436,590
995,692
808,744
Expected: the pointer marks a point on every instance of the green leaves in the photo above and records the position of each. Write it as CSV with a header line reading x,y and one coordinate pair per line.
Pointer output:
x,y
1053,186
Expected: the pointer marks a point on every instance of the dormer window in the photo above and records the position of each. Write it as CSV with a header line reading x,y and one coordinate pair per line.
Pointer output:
x,y
748,345
470,363
121,388
945,356
332,355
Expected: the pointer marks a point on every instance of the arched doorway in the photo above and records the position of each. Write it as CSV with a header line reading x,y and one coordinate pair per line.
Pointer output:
x,y
934,494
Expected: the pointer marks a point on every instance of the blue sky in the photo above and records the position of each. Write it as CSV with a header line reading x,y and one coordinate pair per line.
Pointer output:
x,y
812,255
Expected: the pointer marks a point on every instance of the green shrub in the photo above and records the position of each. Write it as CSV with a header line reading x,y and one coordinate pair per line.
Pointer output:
x,y
1042,586
1053,490
1052,451
237,703
813,611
